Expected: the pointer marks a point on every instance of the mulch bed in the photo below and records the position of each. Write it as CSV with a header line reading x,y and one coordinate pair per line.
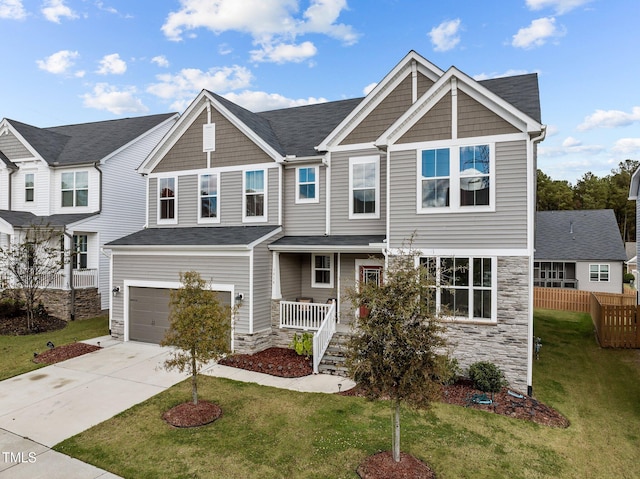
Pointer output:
x,y
17,326
282,362
382,466
64,352
192,415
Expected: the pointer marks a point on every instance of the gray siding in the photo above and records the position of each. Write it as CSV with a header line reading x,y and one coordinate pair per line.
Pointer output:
x,y
614,285
188,200
340,222
290,276
434,125
232,147
304,218
13,148
475,119
262,286
216,269
504,228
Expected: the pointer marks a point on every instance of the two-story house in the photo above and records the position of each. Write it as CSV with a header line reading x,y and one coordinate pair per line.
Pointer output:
x,y
283,210
81,180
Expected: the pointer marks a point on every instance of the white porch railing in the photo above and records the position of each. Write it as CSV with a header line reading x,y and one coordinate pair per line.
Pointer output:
x,y
319,318
322,337
82,278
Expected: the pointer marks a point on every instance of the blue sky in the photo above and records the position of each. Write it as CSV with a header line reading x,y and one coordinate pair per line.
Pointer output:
x,y
74,61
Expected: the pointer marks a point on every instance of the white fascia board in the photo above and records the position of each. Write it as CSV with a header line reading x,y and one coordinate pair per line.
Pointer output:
x,y
180,250
7,126
264,238
378,94
372,248
464,252
6,228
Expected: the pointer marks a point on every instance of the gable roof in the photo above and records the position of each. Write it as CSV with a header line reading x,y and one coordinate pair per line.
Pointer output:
x,y
580,235
26,219
85,142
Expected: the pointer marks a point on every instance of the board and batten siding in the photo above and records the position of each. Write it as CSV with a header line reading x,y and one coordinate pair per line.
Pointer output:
x,y
224,269
233,147
229,199
304,218
506,227
340,222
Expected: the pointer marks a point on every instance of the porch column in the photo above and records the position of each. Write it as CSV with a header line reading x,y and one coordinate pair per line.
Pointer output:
x,y
276,293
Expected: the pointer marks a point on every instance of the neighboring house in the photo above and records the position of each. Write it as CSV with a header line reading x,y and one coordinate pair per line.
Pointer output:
x,y
283,210
80,179
634,195
579,249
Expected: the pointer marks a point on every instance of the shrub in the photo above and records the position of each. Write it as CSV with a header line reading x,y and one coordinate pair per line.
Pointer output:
x,y
10,308
450,371
628,277
487,377
303,345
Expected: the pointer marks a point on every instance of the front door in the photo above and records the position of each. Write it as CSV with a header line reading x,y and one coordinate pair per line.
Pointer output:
x,y
369,273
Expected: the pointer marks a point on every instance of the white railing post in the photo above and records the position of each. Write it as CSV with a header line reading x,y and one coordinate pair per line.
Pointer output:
x,y
322,337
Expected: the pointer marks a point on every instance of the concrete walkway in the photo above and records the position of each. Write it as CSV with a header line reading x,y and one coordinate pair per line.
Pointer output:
x,y
42,408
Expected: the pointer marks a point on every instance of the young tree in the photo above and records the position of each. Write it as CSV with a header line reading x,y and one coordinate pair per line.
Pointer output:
x,y
397,350
200,327
32,261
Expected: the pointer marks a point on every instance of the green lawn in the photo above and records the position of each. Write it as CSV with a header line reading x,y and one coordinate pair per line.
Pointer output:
x,y
271,433
16,352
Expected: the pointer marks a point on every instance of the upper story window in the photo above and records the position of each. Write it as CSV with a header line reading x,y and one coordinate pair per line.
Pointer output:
x,y
321,271
75,188
456,179
364,187
254,196
29,187
307,185
464,287
209,197
599,273
167,200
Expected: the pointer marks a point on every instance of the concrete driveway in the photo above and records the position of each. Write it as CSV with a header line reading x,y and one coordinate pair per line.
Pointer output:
x,y
41,408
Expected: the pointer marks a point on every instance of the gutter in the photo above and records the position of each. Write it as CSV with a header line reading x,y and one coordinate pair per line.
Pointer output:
x,y
71,286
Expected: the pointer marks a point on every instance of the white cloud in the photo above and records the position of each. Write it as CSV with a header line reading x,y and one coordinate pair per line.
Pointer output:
x,y
570,146
58,63
560,6
271,23
552,130
610,119
185,85
54,10
445,36
627,146
12,10
161,61
369,88
262,101
118,102
283,53
508,73
536,34
112,64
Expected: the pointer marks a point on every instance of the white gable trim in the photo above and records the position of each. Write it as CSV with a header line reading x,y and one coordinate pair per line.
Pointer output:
x,y
401,71
6,127
197,106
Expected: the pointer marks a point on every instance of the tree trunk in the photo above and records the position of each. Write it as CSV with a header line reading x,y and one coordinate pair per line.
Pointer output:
x,y
194,382
396,431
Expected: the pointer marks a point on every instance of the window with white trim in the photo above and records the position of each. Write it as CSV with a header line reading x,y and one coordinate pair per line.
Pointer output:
x,y
254,196
29,187
364,187
208,209
307,184
322,271
599,273
75,188
80,252
457,178
464,287
167,200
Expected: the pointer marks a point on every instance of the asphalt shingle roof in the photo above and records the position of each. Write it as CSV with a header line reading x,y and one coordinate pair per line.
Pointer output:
x,y
578,235
25,219
86,142
195,236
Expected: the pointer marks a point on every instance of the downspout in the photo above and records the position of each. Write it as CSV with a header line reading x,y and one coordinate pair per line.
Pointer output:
x,y
11,172
72,289
532,208
96,166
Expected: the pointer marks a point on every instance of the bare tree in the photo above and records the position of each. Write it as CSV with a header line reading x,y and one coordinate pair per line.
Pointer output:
x,y
398,348
32,261
200,327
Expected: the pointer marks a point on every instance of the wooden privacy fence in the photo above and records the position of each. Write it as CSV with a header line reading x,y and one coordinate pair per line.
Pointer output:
x,y
615,316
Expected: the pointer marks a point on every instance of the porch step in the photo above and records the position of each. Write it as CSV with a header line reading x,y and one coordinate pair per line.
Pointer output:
x,y
333,361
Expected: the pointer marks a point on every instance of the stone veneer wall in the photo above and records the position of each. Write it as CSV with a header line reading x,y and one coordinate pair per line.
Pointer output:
x,y
505,343
58,302
280,337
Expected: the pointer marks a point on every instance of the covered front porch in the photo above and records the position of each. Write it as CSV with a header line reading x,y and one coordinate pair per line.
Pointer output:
x,y
311,276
